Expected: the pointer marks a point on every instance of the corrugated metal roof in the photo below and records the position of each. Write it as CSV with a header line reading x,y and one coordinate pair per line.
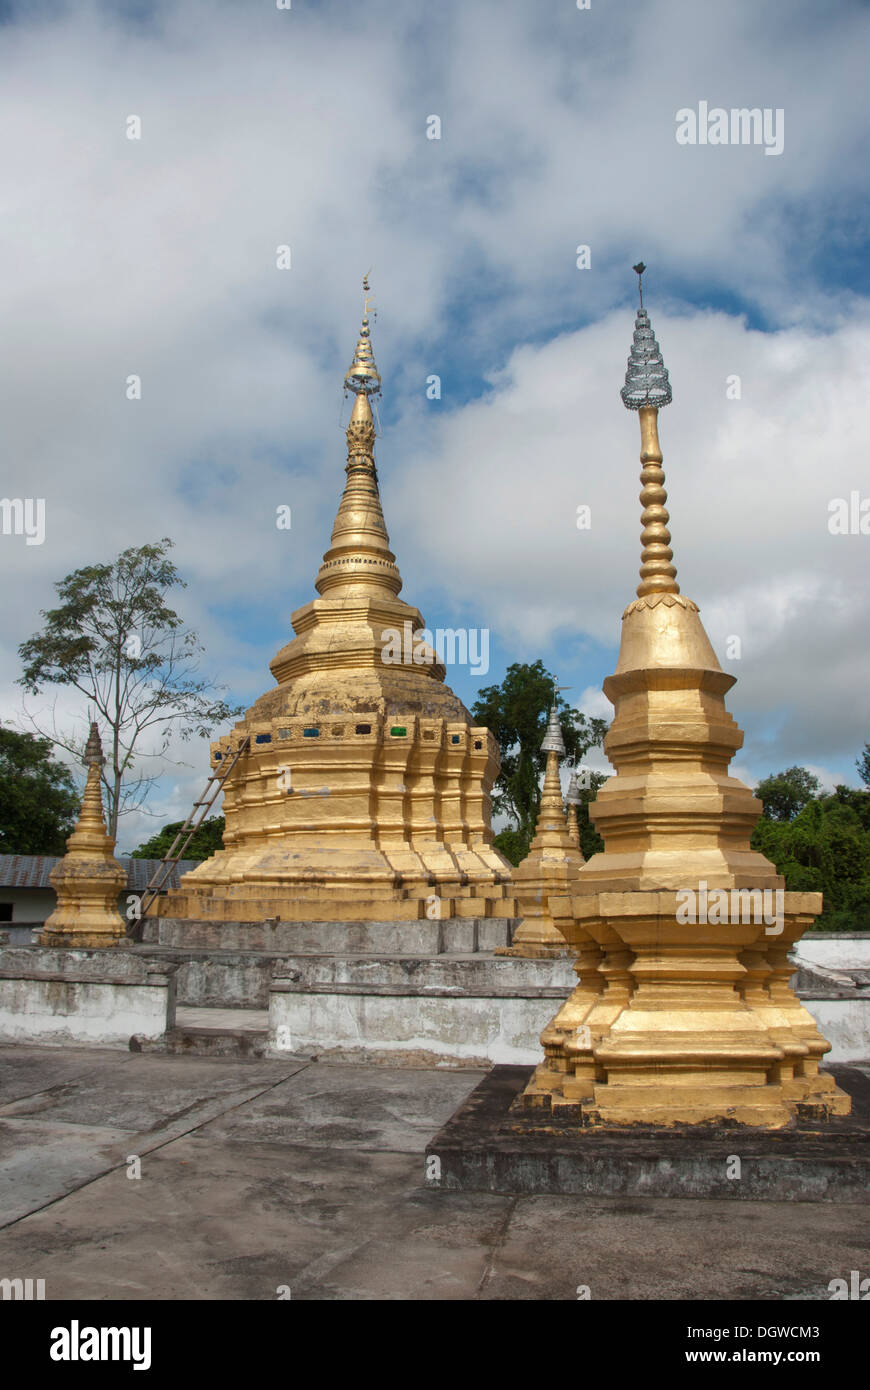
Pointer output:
x,y
26,870
32,870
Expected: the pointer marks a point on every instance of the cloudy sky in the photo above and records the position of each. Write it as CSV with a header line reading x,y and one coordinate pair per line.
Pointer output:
x,y
307,127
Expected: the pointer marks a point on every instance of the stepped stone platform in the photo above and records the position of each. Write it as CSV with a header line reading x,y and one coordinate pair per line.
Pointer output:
x,y
231,964
420,937
488,1147
419,993
212,1033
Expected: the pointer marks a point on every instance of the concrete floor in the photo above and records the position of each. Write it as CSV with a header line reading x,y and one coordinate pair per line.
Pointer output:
x,y
262,1174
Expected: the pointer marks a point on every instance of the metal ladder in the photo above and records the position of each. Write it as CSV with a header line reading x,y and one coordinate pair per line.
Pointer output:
x,y
175,853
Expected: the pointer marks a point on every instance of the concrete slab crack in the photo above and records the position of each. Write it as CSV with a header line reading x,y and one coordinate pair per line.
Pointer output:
x,y
497,1245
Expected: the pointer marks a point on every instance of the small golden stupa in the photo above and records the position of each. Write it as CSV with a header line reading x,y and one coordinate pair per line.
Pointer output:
x,y
89,878
365,790
551,866
572,801
683,1013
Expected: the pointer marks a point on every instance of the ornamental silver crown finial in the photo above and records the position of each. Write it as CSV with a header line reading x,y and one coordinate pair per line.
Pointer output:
x,y
553,740
646,380
363,377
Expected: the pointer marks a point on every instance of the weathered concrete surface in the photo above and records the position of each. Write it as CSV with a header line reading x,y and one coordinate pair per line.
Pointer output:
x,y
86,1120
351,1023
231,964
488,1145
71,996
844,1022
424,937
834,949
261,1174
449,1010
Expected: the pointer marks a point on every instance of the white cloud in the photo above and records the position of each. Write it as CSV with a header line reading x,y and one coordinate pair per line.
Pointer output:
x,y
749,482
307,126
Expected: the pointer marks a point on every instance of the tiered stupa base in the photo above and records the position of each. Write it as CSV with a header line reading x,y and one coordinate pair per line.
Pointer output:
x,y
678,1033
352,816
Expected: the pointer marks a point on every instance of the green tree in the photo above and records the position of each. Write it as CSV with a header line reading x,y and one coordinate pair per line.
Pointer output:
x,y
590,841
516,713
38,798
208,839
116,641
512,845
863,765
825,848
785,794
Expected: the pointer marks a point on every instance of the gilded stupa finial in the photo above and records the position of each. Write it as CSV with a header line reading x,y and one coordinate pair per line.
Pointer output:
x,y
647,388
359,557
362,375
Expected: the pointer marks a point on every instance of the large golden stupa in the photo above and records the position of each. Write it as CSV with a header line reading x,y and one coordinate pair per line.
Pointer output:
x,y
364,790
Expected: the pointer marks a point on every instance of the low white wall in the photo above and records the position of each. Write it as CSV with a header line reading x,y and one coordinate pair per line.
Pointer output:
x,y
837,950
410,1028
68,997
845,1023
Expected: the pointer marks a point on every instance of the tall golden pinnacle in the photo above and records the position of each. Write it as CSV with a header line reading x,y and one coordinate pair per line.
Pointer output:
x,y
88,879
359,559
551,866
683,1013
365,790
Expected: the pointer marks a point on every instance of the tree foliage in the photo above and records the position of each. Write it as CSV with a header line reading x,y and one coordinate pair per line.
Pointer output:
x,y
590,841
785,794
824,846
38,798
115,640
208,839
516,713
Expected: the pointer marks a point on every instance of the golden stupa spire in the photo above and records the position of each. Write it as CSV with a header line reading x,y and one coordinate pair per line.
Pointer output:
x,y
646,390
90,830
359,559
